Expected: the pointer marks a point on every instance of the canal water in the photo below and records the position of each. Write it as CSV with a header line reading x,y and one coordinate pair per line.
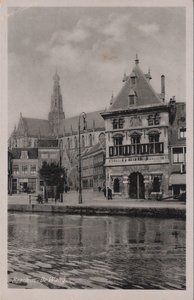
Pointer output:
x,y
93,252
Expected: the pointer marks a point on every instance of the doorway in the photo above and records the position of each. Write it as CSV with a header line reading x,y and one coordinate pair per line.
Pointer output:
x,y
136,186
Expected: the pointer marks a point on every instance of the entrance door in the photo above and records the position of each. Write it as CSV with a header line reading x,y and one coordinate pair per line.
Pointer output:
x,y
136,186
14,186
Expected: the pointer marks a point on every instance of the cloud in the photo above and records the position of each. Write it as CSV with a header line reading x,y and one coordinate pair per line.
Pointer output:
x,y
117,27
77,35
149,29
67,56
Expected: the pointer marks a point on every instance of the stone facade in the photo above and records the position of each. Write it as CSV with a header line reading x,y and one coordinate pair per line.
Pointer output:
x,y
141,130
93,169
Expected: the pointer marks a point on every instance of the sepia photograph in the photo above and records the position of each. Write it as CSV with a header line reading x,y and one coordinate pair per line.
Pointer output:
x,y
97,102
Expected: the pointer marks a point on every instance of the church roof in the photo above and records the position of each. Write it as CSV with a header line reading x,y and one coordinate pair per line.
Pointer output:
x,y
142,88
37,127
93,119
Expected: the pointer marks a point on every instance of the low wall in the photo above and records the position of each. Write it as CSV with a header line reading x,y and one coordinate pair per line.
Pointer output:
x,y
156,212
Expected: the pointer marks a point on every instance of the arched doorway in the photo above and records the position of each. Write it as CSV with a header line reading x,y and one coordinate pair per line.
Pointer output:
x,y
156,185
136,186
116,185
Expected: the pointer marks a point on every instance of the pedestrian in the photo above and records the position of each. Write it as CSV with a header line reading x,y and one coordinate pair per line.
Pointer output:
x,y
66,189
109,193
104,191
99,188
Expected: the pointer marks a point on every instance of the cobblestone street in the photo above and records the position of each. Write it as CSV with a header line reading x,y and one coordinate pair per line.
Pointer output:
x,y
91,198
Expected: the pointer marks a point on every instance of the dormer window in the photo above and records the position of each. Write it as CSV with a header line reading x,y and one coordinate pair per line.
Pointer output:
x,y
24,155
132,97
132,100
133,78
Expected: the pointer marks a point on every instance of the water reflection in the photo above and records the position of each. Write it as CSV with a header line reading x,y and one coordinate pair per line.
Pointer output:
x,y
98,252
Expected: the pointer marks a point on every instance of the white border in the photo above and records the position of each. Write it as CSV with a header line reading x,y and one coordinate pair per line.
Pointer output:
x,y
87,294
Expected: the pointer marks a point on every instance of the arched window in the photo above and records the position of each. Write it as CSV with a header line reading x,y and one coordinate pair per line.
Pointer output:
x,y
101,137
154,137
135,139
135,143
156,185
155,146
118,140
90,140
75,142
116,185
68,143
83,141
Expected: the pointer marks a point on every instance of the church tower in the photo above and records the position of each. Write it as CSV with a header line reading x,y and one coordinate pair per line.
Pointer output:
x,y
56,114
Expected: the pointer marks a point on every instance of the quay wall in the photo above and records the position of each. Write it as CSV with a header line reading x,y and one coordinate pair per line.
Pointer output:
x,y
156,212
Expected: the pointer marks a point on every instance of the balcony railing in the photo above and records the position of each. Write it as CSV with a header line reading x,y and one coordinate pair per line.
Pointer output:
x,y
136,149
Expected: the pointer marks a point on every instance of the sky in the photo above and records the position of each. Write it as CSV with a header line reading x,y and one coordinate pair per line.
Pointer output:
x,y
90,48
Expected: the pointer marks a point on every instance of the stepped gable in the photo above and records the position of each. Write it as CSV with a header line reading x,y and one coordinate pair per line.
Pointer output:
x,y
94,122
37,127
145,94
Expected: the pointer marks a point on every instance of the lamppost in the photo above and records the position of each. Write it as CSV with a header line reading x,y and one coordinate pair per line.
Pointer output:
x,y
61,183
83,115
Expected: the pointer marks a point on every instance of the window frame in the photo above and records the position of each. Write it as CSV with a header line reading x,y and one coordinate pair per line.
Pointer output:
x,y
184,131
178,155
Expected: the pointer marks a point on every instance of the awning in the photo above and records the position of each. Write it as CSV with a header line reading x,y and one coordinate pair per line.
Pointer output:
x,y
177,179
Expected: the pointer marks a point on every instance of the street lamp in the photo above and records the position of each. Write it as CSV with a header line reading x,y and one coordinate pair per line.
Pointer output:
x,y
83,115
61,183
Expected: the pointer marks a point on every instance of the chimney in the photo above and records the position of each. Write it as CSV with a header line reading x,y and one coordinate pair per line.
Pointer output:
x,y
163,87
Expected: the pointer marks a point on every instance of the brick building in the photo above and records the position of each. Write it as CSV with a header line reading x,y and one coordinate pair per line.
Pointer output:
x,y
93,169
177,148
24,170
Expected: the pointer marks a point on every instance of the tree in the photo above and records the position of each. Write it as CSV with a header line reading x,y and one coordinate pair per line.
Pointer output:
x,y
53,175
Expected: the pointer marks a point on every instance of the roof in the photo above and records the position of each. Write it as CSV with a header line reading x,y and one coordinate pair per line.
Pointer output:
x,y
37,127
142,88
94,149
32,153
94,121
48,143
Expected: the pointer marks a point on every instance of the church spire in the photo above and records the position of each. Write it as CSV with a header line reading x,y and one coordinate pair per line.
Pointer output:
x,y
56,114
136,59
